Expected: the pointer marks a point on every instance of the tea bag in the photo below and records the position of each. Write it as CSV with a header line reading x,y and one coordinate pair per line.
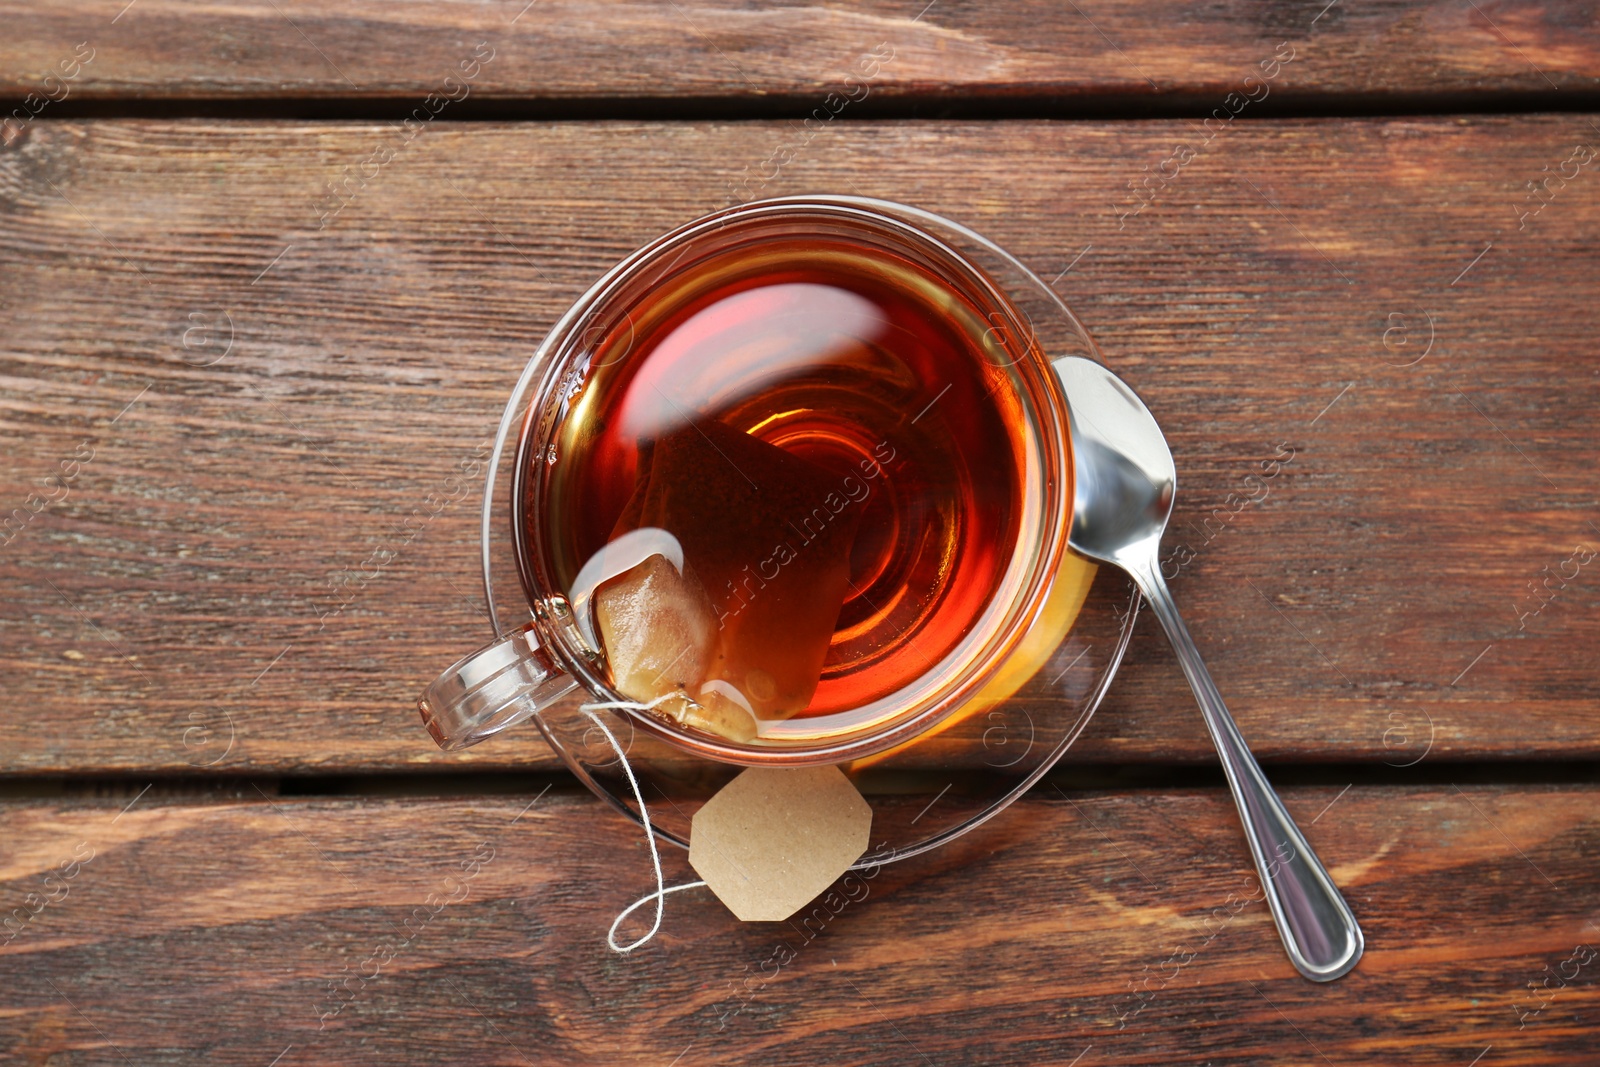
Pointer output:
x,y
738,633
657,627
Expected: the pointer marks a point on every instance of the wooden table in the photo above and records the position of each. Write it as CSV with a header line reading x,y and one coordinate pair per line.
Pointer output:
x,y
254,326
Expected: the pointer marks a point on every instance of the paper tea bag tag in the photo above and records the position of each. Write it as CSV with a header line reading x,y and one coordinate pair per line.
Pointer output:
x,y
774,838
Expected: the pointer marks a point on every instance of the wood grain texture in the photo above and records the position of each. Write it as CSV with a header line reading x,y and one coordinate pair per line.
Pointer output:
x,y
220,559
790,55
1096,929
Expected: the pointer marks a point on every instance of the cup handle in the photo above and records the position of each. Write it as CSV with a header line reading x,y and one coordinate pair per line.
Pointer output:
x,y
497,686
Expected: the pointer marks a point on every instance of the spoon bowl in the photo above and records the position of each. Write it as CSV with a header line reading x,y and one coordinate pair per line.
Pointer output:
x,y
1125,480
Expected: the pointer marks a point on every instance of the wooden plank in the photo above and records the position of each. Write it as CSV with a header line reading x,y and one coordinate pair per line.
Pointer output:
x,y
1090,929
1161,52
218,559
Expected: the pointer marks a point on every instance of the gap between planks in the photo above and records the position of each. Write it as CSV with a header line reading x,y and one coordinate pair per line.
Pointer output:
x,y
966,106
1132,777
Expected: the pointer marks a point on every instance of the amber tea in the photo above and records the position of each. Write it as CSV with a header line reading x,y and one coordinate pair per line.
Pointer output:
x,y
791,479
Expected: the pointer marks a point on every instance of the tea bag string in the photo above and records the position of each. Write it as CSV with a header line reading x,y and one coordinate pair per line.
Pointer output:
x,y
662,889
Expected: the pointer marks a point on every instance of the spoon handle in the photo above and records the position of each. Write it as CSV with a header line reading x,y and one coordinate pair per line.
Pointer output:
x,y
1318,930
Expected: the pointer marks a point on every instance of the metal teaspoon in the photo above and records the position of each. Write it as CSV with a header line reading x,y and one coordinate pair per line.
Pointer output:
x,y
1125,483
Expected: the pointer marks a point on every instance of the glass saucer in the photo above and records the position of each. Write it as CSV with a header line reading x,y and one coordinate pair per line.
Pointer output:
x,y
970,766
